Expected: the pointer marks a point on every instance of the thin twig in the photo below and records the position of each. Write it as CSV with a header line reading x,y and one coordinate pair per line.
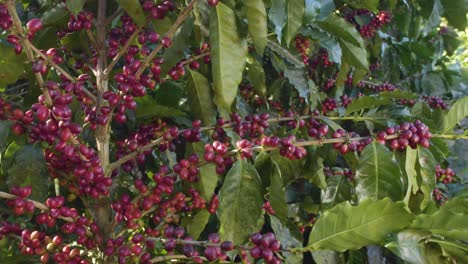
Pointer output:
x,y
121,52
10,4
180,19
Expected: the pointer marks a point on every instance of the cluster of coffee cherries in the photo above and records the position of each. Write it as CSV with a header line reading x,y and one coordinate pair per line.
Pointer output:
x,y
5,19
265,247
246,90
328,85
217,152
409,102
346,100
302,45
268,208
351,145
328,105
321,58
377,21
446,175
187,169
286,145
83,20
253,125
21,205
347,172
316,129
158,11
408,134
385,87
435,102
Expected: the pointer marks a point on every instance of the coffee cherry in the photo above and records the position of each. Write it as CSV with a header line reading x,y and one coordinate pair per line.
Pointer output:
x,y
213,2
34,25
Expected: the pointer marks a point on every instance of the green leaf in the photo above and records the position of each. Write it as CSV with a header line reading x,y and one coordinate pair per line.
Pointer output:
x,y
327,256
208,179
290,169
398,94
288,239
341,29
426,174
5,127
450,221
313,171
277,15
256,75
240,203
134,10
366,102
228,51
338,190
75,6
277,196
200,98
410,246
354,55
378,175
180,42
148,108
296,77
257,23
455,12
197,223
457,112
347,227
455,250
295,16
367,4
340,79
325,40
55,16
11,66
434,19
410,162
318,10
26,165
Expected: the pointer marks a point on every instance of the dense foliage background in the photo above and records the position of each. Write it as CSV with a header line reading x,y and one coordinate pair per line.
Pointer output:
x,y
257,131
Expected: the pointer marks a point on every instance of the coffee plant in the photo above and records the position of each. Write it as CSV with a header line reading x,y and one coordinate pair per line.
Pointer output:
x,y
276,131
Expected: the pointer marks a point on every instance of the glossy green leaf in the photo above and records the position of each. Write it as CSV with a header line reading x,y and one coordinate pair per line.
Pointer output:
x,y
367,4
295,10
327,256
366,102
455,12
26,166
208,178
433,20
338,190
176,52
450,221
200,97
55,16
197,223
410,246
354,55
257,23
398,94
256,75
277,15
147,107
290,169
134,10
347,227
228,51
455,250
288,239
318,10
426,174
277,195
11,68
410,162
341,29
75,6
457,112
313,171
240,203
5,127
377,175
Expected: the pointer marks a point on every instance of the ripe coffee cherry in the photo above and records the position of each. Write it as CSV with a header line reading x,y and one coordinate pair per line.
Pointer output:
x,y
227,246
34,25
213,2
166,42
